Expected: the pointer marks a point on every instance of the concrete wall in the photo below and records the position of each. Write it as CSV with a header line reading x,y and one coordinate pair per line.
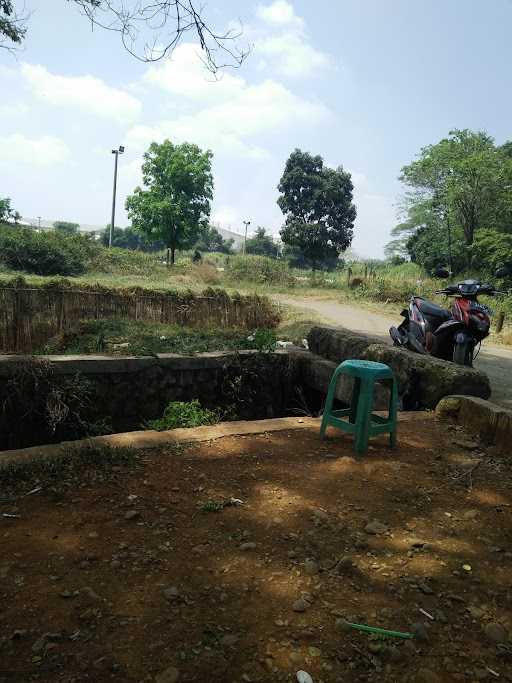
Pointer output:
x,y
130,390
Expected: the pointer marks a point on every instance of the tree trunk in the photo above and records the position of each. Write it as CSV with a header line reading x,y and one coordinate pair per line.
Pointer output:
x,y
167,257
173,251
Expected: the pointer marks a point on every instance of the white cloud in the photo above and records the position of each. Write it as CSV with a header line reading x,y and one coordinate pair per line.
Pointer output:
x,y
293,55
288,51
44,151
227,127
184,74
14,110
279,13
87,93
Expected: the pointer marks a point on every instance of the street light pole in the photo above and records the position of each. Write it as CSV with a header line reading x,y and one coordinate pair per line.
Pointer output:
x,y
247,224
116,152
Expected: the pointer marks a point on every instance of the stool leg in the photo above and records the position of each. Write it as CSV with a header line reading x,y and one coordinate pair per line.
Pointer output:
x,y
328,404
393,407
364,412
354,401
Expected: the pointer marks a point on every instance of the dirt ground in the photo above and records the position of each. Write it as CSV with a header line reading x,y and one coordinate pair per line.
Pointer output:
x,y
134,576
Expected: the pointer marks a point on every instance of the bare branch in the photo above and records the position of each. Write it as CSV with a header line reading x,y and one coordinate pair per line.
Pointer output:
x,y
151,29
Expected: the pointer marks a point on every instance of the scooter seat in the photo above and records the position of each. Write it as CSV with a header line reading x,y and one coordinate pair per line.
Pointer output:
x,y
433,310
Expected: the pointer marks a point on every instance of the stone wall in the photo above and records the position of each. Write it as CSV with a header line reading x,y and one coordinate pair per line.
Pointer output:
x,y
422,380
128,390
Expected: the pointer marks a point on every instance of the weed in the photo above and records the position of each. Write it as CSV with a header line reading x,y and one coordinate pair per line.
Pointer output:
x,y
264,340
212,506
39,407
180,414
219,505
139,338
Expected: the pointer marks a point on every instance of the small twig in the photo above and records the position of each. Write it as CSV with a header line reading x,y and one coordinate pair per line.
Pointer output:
x,y
8,516
37,489
427,614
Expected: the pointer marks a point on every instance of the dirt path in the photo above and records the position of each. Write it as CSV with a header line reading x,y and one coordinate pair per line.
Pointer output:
x,y
144,573
495,361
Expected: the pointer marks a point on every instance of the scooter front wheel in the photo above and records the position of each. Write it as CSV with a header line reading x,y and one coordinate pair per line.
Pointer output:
x,y
463,353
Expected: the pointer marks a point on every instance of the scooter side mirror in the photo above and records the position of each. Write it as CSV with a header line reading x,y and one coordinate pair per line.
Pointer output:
x,y
504,271
442,273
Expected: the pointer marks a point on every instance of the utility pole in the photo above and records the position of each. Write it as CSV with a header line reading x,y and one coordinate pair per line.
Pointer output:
x,y
247,224
116,152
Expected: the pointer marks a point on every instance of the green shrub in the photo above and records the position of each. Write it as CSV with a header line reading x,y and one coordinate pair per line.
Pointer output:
x,y
44,253
124,261
492,250
180,414
261,270
264,339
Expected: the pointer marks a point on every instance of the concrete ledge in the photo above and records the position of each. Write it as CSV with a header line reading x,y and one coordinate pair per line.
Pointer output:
x,y
422,380
115,365
490,422
152,439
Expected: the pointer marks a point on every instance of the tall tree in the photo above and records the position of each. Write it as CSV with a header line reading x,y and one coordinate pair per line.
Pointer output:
x,y
318,208
174,204
7,213
149,29
66,228
262,244
128,238
464,176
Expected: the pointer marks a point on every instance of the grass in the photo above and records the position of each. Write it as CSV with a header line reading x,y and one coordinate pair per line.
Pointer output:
x,y
138,338
388,288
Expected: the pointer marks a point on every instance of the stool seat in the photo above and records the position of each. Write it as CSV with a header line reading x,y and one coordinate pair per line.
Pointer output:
x,y
361,421
362,368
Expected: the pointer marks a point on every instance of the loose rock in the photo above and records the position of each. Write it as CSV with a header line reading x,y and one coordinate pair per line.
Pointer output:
x,y
427,676
171,594
300,605
311,567
496,632
170,675
375,528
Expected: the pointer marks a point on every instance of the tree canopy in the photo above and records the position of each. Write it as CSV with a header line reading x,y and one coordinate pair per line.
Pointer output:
x,y
7,213
455,188
211,240
149,29
174,203
128,238
262,244
66,228
317,204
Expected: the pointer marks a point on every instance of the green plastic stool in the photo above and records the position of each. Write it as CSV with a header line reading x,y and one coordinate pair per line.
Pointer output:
x,y
361,421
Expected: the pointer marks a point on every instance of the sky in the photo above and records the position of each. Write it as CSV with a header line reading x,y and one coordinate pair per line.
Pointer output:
x,y
364,83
